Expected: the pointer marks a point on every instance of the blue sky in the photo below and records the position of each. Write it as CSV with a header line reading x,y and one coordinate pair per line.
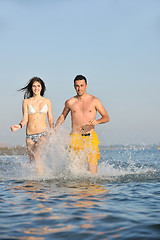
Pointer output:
x,y
114,43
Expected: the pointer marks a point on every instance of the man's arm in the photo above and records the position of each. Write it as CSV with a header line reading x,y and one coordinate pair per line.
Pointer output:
x,y
63,116
102,111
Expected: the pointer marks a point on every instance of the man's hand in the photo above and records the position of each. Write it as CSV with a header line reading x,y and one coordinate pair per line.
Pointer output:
x,y
93,122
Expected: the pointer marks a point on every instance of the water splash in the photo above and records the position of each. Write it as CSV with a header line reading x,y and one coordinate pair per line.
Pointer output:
x,y
121,164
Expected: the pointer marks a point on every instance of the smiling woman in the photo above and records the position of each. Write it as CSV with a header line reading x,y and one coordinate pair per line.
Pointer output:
x,y
36,109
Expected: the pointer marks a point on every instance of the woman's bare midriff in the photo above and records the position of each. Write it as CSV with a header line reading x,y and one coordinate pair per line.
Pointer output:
x,y
37,123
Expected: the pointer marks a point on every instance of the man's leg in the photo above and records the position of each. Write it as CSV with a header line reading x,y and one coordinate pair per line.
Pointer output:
x,y
92,167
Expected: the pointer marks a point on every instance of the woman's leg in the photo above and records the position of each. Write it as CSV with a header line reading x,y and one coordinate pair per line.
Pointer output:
x,y
30,148
37,154
34,155
38,147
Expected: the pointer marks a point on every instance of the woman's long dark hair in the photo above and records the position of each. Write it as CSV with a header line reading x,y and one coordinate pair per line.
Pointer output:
x,y
28,88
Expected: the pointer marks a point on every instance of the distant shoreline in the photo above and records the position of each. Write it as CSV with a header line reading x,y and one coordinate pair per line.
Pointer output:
x,y
16,150
22,150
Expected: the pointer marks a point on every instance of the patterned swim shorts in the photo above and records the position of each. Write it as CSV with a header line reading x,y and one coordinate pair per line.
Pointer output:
x,y
36,137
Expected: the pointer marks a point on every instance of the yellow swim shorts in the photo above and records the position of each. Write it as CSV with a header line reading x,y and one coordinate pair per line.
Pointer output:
x,y
87,144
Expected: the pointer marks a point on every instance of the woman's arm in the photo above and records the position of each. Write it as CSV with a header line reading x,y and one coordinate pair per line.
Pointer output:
x,y
50,115
23,122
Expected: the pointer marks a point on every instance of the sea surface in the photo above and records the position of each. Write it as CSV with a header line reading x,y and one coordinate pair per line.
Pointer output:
x,y
65,201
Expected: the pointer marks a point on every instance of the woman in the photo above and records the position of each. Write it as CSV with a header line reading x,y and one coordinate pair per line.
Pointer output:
x,y
36,109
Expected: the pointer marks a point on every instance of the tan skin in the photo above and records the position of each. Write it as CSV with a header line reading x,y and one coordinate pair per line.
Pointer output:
x,y
37,122
83,108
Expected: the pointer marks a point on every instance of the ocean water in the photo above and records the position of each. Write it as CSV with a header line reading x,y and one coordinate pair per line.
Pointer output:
x,y
64,201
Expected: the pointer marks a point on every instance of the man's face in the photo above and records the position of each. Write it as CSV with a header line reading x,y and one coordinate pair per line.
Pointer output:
x,y
80,87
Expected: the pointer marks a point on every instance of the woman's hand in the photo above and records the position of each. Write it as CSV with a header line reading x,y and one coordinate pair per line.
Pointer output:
x,y
15,127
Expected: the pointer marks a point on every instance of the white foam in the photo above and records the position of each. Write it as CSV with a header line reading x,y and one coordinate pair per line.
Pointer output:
x,y
57,163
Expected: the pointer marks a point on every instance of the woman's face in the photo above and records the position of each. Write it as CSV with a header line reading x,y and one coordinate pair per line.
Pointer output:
x,y
36,88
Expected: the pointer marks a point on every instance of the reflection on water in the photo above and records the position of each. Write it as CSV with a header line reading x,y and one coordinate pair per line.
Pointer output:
x,y
120,202
49,212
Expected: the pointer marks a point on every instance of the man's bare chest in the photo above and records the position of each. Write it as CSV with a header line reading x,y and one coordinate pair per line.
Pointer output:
x,y
82,107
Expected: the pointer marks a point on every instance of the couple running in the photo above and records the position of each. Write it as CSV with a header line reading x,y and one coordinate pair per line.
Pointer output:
x,y
83,108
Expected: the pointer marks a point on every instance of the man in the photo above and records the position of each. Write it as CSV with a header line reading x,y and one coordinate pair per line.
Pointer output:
x,y
83,108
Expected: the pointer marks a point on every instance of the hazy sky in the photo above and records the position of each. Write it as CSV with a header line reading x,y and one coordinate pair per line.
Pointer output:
x,y
114,43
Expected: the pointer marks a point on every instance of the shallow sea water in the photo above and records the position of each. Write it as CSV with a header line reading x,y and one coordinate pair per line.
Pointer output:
x,y
66,202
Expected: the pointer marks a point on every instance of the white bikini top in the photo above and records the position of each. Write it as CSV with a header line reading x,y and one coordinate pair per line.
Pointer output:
x,y
31,109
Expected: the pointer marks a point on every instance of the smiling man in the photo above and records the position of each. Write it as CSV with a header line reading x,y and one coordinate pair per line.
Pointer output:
x,y
83,108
